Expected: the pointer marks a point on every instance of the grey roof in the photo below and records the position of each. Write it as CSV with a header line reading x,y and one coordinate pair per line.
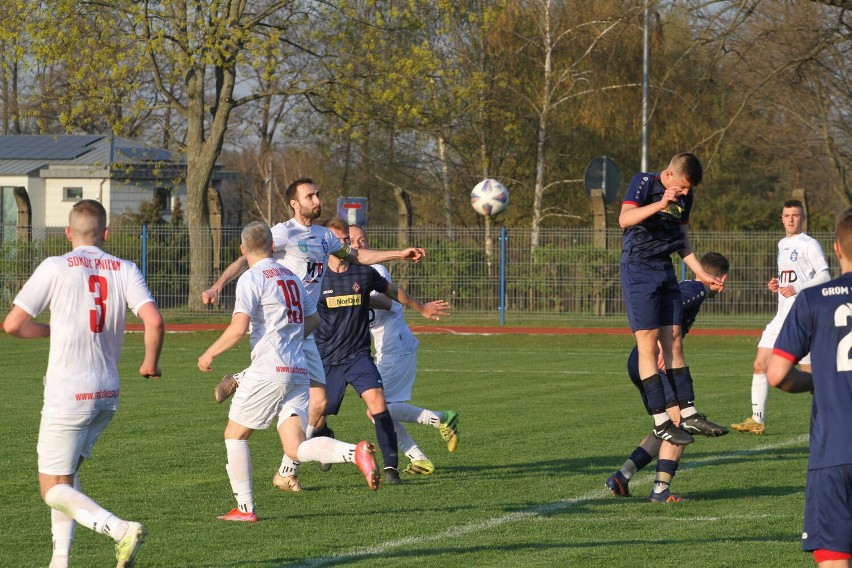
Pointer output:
x,y
22,154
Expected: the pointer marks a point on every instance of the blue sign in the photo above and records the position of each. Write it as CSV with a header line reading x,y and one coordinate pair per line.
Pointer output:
x,y
353,210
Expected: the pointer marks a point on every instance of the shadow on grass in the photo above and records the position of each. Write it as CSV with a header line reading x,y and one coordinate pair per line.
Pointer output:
x,y
413,554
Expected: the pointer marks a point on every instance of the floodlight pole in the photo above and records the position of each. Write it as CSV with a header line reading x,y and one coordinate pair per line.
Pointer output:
x,y
645,74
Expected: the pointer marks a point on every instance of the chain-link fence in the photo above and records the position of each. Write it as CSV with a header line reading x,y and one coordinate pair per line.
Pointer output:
x,y
565,280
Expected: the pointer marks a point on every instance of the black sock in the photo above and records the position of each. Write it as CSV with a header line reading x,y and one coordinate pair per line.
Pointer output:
x,y
386,437
654,393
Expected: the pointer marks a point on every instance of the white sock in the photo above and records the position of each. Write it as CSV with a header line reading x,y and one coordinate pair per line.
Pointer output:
x,y
62,528
404,412
759,394
239,473
661,418
288,466
309,432
688,411
406,443
326,450
85,511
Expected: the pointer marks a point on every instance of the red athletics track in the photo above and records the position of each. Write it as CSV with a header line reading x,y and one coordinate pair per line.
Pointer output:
x,y
482,330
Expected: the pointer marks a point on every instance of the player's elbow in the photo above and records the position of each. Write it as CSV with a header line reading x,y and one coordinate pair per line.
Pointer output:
x,y
152,318
774,376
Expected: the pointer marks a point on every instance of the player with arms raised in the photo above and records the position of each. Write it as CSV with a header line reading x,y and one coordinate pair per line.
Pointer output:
x,y
88,292
305,249
275,387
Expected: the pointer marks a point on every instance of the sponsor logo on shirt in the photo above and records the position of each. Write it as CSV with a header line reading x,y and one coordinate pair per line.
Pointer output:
x,y
294,370
673,210
343,301
96,395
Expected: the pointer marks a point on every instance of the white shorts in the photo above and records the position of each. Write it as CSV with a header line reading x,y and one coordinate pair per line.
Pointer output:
x,y
398,373
63,440
771,332
315,369
257,403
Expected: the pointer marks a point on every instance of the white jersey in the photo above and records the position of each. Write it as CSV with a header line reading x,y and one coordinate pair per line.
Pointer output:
x,y
305,251
391,335
88,292
800,258
276,334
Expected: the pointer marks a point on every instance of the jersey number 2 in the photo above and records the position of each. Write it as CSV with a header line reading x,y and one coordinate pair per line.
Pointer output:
x,y
293,300
841,319
98,288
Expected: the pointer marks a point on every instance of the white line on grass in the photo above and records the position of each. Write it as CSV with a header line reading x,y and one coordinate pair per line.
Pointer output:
x,y
547,508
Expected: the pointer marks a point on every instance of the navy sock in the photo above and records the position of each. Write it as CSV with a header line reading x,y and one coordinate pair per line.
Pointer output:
x,y
386,437
640,457
654,394
683,386
667,466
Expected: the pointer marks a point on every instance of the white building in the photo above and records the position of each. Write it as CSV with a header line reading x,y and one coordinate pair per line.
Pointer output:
x,y
42,176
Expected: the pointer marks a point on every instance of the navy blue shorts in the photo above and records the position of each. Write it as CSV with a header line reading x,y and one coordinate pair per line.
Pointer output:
x,y
360,372
828,509
651,294
633,373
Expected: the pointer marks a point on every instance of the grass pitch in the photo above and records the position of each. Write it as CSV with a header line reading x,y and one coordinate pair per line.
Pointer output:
x,y
544,420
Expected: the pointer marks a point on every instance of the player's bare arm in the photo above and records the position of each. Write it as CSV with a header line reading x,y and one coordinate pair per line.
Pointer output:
x,y
782,374
633,215
430,310
380,302
235,331
691,260
154,331
373,256
21,325
236,268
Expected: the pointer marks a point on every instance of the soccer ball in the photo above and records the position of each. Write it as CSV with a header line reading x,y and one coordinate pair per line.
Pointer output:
x,y
489,197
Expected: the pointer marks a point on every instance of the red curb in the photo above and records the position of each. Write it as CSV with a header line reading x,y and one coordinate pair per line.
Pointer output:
x,y
481,330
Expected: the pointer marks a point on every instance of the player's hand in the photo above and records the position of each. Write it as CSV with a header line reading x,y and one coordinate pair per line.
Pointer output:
x,y
670,196
787,291
205,363
415,254
150,372
714,282
773,285
434,310
718,288
209,296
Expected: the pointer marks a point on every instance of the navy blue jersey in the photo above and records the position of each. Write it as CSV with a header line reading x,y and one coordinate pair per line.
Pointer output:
x,y
661,234
344,308
692,295
820,322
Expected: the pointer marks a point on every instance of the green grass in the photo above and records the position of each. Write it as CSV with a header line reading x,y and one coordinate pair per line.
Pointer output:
x,y
543,420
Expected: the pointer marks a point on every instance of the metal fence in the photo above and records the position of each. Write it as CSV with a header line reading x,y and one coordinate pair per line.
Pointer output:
x,y
566,280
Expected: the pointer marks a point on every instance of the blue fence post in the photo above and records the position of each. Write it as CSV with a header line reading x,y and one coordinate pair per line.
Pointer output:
x,y
503,239
144,262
